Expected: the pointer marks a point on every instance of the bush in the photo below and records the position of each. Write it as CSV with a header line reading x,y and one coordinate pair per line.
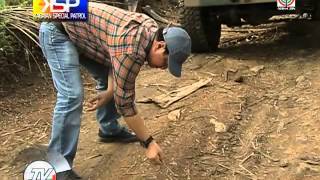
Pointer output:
x,y
18,2
11,63
14,61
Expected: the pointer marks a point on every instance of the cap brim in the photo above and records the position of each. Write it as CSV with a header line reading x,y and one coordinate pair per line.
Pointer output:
x,y
174,67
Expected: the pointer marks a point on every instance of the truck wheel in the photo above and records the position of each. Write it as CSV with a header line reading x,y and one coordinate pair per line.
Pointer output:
x,y
316,11
203,28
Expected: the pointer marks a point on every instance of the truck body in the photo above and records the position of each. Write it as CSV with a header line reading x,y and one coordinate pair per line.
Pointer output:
x,y
203,3
203,18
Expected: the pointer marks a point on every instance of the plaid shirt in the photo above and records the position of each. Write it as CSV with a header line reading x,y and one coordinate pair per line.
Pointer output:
x,y
119,39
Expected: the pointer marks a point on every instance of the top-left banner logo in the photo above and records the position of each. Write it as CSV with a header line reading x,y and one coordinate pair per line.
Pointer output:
x,y
61,10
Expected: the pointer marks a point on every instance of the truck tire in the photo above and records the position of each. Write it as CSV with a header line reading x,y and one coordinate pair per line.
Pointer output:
x,y
316,12
203,28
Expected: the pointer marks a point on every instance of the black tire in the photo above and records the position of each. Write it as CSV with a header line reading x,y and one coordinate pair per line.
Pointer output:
x,y
203,28
316,11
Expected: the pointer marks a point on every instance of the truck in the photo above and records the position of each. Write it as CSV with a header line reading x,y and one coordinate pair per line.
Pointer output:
x,y
202,19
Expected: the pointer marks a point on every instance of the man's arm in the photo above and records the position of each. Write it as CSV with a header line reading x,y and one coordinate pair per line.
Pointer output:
x,y
103,97
126,70
136,123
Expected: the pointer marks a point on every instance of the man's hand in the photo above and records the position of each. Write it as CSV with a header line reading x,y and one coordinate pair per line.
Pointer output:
x,y
99,100
136,123
154,153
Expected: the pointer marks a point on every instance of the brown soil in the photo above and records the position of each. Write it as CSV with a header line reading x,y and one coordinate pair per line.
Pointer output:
x,y
265,91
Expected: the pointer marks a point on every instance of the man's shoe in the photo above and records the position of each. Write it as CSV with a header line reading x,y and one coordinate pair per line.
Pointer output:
x,y
124,136
68,175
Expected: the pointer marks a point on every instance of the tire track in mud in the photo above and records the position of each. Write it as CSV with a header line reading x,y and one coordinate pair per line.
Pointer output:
x,y
277,136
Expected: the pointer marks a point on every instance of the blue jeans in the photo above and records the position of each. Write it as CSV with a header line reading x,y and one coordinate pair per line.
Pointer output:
x,y
64,62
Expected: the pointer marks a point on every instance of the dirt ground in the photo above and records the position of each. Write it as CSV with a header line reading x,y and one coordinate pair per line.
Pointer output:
x,y
258,118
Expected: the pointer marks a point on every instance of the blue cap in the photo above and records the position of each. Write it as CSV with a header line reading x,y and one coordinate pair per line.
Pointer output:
x,y
179,45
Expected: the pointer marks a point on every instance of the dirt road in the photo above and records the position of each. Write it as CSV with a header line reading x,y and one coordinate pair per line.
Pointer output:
x,y
257,119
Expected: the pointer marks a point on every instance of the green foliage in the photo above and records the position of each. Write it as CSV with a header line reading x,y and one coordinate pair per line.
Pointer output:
x,y
6,43
13,61
2,3
18,2
9,63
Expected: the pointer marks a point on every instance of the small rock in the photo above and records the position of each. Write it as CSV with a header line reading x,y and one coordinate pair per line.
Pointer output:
x,y
167,142
284,163
218,126
30,84
300,79
173,163
256,69
174,115
283,98
238,117
239,79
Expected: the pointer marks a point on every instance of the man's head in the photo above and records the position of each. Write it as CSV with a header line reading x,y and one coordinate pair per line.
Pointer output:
x,y
171,48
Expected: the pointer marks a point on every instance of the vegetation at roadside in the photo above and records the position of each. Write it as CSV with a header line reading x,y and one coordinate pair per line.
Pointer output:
x,y
18,40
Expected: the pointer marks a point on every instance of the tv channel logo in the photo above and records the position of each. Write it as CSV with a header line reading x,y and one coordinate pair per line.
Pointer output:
x,y
286,4
39,170
63,10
